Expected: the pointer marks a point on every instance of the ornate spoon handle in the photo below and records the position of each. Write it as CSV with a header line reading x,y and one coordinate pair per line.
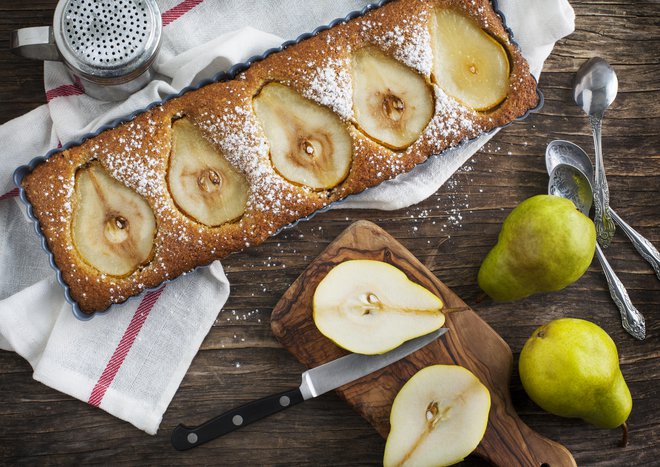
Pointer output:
x,y
641,244
631,319
604,226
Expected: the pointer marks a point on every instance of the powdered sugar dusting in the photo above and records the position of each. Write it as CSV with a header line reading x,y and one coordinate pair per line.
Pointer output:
x,y
410,42
128,163
330,85
60,187
450,121
238,135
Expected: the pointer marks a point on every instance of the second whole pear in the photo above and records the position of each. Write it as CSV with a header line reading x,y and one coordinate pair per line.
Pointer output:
x,y
545,245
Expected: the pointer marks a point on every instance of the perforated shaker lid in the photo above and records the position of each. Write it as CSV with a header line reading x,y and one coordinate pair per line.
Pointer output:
x,y
108,41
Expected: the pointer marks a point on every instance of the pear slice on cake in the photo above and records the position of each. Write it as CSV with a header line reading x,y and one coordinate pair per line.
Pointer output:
x,y
370,307
203,183
438,417
468,64
113,227
309,145
391,102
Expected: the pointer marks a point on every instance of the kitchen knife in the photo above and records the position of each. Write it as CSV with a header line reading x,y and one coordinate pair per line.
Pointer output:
x,y
315,382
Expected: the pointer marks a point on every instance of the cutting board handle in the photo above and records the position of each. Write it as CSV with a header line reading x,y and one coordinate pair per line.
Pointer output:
x,y
512,442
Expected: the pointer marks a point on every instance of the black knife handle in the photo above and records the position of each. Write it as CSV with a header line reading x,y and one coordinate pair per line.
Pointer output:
x,y
184,438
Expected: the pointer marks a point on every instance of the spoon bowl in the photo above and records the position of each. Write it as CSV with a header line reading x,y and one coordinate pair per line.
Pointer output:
x,y
564,152
595,86
571,183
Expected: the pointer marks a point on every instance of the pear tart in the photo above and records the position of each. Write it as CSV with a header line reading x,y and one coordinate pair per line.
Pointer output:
x,y
223,167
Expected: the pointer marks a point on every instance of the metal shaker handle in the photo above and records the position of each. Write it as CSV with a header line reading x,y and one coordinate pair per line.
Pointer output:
x,y
36,42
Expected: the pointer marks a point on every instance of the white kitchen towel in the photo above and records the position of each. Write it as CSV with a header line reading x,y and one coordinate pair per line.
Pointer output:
x,y
131,361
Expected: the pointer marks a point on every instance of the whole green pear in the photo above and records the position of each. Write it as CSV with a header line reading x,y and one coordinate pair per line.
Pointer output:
x,y
570,367
545,244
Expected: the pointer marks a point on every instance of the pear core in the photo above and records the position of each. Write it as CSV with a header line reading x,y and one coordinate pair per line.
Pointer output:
x,y
370,307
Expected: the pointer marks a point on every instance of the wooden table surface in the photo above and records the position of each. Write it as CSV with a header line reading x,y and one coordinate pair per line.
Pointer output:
x,y
450,232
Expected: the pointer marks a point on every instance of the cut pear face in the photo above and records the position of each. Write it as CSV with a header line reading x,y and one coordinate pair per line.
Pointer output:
x,y
438,418
391,102
113,227
370,307
309,145
203,184
469,64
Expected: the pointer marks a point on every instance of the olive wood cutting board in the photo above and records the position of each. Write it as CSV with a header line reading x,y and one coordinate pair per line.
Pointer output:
x,y
470,343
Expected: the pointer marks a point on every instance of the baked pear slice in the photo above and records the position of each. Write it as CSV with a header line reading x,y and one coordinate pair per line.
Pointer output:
x,y
202,182
438,417
371,307
391,102
309,145
113,227
468,64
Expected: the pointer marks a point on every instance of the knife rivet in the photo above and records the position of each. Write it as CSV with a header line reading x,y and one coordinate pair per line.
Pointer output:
x,y
192,438
237,420
285,401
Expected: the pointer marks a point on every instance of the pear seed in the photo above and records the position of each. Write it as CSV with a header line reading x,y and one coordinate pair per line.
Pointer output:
x,y
393,107
431,411
372,298
121,222
116,229
214,177
209,180
308,148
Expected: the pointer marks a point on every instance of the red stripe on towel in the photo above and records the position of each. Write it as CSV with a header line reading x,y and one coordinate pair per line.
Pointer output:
x,y
178,11
10,194
124,347
62,91
74,89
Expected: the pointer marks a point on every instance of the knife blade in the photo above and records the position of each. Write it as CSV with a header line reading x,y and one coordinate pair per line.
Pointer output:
x,y
315,382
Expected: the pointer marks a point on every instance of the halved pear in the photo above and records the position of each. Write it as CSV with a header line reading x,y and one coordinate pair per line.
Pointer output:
x,y
391,102
370,307
309,145
202,182
113,227
469,64
438,417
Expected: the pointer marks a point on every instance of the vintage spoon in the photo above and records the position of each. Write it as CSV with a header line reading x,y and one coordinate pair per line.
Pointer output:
x,y
565,152
594,89
570,183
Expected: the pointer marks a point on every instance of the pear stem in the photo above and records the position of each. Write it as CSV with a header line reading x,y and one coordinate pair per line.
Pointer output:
x,y
624,438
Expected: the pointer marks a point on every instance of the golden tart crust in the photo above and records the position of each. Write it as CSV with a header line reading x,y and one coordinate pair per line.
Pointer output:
x,y
136,153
